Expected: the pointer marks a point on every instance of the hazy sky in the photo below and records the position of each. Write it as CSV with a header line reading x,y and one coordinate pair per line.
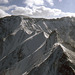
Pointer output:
x,y
38,8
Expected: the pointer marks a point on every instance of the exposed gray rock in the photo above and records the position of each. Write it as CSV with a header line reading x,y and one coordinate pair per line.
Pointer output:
x,y
37,46
56,64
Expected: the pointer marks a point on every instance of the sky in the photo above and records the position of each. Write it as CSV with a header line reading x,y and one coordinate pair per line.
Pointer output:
x,y
38,8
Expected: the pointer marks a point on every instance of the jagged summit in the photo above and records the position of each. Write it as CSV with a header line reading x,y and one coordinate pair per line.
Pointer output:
x,y
37,46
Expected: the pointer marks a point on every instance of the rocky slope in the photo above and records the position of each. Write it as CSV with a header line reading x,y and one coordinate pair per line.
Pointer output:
x,y
37,46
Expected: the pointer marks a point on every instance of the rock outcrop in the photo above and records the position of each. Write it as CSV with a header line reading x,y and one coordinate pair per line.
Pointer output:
x,y
37,46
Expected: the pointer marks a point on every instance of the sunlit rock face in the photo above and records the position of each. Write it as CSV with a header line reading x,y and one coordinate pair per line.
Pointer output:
x,y
37,46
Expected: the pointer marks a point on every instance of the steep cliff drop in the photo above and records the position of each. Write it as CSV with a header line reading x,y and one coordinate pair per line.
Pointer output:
x,y
37,46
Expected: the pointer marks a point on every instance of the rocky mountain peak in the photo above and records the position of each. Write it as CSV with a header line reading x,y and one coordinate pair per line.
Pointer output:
x,y
37,46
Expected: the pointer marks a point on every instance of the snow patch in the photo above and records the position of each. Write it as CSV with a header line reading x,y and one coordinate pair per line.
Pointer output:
x,y
46,35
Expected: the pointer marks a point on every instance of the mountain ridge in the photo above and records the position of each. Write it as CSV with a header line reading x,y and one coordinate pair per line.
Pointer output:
x,y
27,43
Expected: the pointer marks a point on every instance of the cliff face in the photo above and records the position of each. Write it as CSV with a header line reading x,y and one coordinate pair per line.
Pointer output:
x,y
36,46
